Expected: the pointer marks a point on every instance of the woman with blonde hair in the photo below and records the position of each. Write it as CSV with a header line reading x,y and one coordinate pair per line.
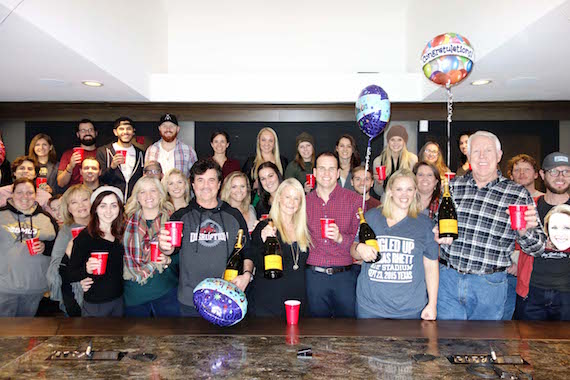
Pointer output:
x,y
403,283
150,287
43,152
237,193
267,150
394,156
289,217
74,209
177,187
431,153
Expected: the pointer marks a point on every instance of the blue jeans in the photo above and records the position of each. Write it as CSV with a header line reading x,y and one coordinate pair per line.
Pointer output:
x,y
511,298
331,295
544,304
165,306
471,296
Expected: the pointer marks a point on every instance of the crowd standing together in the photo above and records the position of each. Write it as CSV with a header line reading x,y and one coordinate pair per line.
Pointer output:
x,y
86,229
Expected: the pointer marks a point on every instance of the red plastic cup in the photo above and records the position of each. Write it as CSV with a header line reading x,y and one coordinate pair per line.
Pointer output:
x,y
30,243
325,222
517,216
81,151
123,153
311,180
40,181
154,251
449,175
75,231
175,230
264,216
292,337
103,266
381,171
292,311
470,167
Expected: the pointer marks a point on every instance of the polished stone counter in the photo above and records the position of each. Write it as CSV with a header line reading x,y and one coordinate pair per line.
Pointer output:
x,y
262,349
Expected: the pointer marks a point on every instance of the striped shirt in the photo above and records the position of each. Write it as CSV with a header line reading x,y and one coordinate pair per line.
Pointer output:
x,y
343,207
486,239
184,156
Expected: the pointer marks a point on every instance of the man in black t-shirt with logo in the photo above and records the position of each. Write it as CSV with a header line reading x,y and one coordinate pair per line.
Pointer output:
x,y
549,289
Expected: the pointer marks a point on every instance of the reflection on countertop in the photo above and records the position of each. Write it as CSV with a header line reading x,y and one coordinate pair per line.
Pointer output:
x,y
261,357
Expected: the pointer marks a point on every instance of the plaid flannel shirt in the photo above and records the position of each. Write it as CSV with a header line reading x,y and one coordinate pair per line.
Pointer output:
x,y
184,156
486,239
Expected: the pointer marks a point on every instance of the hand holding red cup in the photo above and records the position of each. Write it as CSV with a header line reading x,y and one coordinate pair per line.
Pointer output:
x,y
518,221
123,153
325,225
154,251
175,230
101,268
81,152
381,172
311,180
31,243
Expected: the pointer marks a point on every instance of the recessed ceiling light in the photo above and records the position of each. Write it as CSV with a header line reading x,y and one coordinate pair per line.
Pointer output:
x,y
92,83
481,82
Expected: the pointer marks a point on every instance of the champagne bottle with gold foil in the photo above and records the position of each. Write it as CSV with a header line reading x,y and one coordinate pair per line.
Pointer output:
x,y
235,261
272,259
367,236
447,216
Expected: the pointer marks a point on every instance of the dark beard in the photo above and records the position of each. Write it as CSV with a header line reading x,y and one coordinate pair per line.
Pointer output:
x,y
555,190
169,139
87,142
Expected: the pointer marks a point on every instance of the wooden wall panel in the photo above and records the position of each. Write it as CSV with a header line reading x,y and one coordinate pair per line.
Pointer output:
x,y
72,111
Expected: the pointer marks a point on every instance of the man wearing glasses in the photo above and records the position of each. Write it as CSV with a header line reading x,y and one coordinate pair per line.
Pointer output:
x,y
543,287
169,151
68,172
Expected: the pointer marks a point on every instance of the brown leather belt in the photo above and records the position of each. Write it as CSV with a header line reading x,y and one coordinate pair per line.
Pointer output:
x,y
330,271
488,271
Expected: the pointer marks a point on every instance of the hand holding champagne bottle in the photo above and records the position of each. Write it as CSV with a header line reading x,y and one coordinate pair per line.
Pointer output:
x,y
272,259
235,262
367,236
447,215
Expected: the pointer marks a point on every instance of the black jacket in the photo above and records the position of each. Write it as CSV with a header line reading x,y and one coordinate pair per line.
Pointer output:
x,y
114,177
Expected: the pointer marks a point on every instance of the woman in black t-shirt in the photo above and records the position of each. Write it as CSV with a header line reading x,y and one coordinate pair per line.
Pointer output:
x,y
104,233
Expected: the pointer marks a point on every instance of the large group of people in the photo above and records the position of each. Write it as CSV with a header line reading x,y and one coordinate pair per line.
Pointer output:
x,y
86,229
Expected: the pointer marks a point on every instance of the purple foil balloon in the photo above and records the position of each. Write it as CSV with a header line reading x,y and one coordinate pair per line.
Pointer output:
x,y
220,302
372,110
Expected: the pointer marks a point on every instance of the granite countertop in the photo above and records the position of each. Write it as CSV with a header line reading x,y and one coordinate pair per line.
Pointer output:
x,y
275,357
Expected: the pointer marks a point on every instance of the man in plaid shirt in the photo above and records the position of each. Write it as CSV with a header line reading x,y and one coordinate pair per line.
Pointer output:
x,y
169,151
473,279
330,276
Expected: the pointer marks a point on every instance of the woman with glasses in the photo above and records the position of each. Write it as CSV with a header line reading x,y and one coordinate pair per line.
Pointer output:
x,y
431,153
150,286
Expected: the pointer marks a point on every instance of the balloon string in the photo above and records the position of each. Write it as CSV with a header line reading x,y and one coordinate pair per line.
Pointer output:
x,y
449,115
368,152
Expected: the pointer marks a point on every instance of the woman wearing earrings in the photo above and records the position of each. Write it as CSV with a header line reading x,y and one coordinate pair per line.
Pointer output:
x,y
289,217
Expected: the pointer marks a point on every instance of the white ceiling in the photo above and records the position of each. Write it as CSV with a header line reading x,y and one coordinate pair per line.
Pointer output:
x,y
310,51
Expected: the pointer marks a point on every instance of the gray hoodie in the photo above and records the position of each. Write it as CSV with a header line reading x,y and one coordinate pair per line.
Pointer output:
x,y
20,272
208,241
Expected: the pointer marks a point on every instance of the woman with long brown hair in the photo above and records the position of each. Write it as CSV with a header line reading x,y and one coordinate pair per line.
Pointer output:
x,y
348,157
43,152
103,237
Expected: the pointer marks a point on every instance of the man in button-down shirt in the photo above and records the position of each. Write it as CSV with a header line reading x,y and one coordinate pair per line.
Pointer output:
x,y
330,278
473,282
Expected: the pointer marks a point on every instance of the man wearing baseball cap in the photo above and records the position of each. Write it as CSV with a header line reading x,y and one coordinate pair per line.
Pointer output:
x,y
169,151
540,293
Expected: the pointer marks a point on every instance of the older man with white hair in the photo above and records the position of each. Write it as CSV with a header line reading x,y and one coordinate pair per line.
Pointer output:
x,y
473,278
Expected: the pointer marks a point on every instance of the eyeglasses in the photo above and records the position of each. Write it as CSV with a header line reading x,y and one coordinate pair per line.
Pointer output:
x,y
556,172
429,151
90,130
150,171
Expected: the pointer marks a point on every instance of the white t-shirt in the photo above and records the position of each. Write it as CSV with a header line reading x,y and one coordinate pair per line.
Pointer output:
x,y
128,166
166,159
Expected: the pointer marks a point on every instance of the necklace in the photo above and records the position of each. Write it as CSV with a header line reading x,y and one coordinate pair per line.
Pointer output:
x,y
295,255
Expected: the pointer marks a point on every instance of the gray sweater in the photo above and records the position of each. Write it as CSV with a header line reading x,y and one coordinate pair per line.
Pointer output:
x,y
20,272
